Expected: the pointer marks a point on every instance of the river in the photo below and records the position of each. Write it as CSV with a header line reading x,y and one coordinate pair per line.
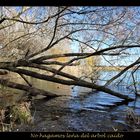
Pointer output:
x,y
82,109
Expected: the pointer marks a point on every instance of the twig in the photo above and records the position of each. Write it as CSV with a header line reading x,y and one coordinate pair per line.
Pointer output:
x,y
25,79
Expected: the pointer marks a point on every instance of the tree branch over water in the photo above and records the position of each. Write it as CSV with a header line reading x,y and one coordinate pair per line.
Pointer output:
x,y
53,39
74,81
123,71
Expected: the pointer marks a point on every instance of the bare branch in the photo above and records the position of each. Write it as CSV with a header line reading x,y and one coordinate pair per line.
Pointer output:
x,y
55,63
85,55
123,71
69,82
33,91
25,79
95,53
29,22
134,82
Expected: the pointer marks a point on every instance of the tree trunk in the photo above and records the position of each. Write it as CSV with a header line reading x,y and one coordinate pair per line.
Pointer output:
x,y
31,90
70,82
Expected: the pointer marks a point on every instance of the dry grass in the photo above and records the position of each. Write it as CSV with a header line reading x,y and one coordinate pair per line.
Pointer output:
x,y
132,118
15,115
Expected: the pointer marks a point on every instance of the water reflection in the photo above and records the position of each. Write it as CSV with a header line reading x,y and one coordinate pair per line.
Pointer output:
x,y
85,98
50,86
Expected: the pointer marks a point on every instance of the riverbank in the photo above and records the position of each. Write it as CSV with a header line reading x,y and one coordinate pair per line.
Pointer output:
x,y
51,117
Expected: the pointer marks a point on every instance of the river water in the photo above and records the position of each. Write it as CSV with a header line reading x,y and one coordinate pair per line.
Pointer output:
x,y
80,107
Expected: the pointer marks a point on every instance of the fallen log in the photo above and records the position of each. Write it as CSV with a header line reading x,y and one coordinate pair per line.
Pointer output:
x,y
70,82
11,66
31,90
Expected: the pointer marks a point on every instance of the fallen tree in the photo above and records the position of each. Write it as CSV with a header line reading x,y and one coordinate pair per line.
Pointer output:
x,y
30,90
73,79
45,43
